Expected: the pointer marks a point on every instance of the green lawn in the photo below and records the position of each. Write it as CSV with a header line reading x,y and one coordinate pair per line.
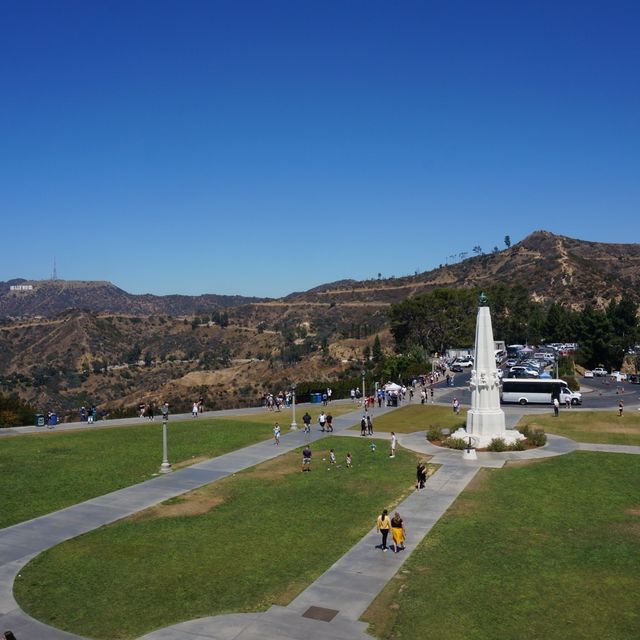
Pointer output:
x,y
418,417
240,544
59,469
548,550
602,427
285,416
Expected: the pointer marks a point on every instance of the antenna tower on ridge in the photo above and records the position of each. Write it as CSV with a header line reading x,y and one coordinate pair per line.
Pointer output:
x,y
55,271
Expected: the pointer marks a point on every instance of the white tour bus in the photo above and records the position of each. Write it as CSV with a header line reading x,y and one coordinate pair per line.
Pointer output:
x,y
537,390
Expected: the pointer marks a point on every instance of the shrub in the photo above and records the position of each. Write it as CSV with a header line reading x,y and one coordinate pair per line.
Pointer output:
x,y
518,445
538,438
497,444
525,431
456,443
434,433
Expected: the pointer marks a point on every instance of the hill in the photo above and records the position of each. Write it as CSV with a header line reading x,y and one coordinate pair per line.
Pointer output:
x,y
48,298
550,267
64,344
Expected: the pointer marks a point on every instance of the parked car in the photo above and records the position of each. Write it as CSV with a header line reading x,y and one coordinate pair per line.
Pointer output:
x,y
633,378
600,371
464,362
456,368
511,362
616,375
588,373
520,371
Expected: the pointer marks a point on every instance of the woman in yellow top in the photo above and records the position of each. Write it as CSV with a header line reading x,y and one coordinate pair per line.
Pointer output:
x,y
397,532
384,525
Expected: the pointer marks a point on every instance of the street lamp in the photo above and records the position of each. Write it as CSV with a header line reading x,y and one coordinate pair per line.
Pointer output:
x,y
294,426
165,467
363,372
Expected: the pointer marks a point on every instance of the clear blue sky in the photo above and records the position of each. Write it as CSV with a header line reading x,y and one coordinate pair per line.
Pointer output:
x,y
270,146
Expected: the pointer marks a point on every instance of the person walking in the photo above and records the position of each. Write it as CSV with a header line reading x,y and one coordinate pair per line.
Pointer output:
x,y
394,443
306,419
620,408
306,459
329,422
398,533
194,410
383,525
276,434
322,420
421,475
369,426
556,407
363,426
348,460
332,456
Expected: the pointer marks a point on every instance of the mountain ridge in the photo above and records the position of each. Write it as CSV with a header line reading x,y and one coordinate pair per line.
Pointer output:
x,y
552,268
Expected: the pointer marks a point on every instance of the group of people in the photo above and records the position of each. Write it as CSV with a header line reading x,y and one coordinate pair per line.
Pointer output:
x,y
325,421
385,524
307,455
366,425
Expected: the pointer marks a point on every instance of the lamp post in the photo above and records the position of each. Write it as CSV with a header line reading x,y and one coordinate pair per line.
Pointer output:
x,y
363,372
165,467
294,426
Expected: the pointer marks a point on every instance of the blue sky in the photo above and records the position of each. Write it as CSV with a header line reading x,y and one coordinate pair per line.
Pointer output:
x,y
265,147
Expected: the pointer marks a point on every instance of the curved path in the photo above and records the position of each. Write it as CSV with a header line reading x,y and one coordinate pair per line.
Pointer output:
x,y
329,608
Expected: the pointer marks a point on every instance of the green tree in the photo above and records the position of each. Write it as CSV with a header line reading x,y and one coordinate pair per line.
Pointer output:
x,y
435,321
376,351
507,241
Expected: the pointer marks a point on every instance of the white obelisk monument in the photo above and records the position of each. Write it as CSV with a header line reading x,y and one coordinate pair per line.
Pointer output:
x,y
485,419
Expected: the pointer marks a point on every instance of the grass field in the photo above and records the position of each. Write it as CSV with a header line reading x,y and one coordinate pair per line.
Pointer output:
x,y
285,416
58,469
418,417
548,550
240,544
590,426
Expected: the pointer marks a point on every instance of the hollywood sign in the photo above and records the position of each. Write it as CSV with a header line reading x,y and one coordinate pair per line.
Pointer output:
x,y
21,287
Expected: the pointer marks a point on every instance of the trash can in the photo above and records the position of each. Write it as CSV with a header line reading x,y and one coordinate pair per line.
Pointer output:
x,y
39,420
53,420
316,398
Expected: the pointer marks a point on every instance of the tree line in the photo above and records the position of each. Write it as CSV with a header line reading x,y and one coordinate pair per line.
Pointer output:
x,y
445,318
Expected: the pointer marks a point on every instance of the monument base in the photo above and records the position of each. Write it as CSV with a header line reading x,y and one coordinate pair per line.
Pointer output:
x,y
510,436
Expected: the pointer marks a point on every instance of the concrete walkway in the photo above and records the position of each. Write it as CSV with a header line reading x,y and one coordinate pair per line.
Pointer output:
x,y
329,608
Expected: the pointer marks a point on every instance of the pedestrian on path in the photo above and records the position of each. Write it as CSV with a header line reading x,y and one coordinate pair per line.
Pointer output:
x,y
394,443
556,407
306,459
306,418
620,408
194,410
369,426
276,434
322,420
397,532
421,475
363,426
329,422
383,525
